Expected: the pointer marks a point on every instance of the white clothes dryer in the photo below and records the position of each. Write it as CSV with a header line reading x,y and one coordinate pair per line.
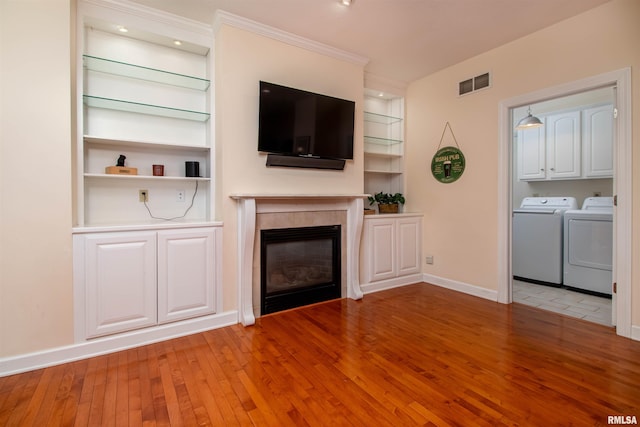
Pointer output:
x,y
588,246
538,238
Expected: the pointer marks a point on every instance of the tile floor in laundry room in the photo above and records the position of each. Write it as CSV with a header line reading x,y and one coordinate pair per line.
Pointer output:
x,y
588,307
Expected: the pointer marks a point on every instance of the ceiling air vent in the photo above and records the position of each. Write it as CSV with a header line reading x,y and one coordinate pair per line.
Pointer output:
x,y
476,83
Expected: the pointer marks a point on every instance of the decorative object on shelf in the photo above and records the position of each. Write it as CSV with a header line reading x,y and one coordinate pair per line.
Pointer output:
x,y
120,168
368,211
192,169
387,202
448,163
158,170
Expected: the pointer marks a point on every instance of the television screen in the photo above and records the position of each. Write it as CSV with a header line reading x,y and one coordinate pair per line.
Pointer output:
x,y
301,123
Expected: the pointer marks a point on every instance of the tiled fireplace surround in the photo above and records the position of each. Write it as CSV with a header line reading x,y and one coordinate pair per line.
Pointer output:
x,y
257,212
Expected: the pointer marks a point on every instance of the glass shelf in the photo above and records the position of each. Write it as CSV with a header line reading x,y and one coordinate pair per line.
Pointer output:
x,y
144,73
166,178
99,141
381,141
382,172
136,107
380,118
383,155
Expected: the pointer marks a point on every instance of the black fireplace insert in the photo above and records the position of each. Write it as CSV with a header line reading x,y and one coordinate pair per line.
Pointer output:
x,y
299,266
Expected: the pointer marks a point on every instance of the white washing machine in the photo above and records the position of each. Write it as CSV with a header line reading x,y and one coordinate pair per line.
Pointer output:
x,y
538,237
588,246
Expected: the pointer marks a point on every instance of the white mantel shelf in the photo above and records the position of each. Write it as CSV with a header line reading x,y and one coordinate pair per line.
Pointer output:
x,y
249,205
286,196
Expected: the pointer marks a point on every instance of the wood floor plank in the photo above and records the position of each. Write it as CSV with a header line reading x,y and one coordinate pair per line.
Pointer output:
x,y
415,355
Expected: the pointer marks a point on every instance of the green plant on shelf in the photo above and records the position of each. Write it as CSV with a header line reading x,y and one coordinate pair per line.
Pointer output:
x,y
387,202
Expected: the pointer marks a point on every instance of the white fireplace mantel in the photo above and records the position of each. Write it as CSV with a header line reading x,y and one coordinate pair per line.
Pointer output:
x,y
249,205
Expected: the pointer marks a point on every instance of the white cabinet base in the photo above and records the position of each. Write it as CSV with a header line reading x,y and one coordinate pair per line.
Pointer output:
x,y
135,279
395,282
391,251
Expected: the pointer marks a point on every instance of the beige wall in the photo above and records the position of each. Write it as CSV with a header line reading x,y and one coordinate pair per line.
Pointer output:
x,y
242,60
461,226
35,176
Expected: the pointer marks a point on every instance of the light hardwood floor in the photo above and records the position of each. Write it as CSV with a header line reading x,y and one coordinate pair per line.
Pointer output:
x,y
416,355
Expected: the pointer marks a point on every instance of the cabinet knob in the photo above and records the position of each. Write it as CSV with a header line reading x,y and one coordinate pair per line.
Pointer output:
x,y
552,169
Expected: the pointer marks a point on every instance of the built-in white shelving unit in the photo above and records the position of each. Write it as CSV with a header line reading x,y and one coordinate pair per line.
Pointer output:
x,y
383,143
146,94
149,268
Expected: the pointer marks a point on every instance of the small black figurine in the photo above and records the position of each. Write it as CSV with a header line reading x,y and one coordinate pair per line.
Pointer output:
x,y
121,160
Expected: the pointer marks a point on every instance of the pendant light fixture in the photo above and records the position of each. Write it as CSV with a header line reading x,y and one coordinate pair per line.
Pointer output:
x,y
529,122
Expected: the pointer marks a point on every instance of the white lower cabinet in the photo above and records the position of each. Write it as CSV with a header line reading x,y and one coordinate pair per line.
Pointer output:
x,y
120,282
185,274
137,279
391,250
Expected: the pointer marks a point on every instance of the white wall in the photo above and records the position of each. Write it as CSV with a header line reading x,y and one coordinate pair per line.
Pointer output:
x,y
461,228
35,176
242,60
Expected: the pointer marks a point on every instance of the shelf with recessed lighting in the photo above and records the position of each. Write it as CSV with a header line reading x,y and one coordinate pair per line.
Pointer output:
x,y
124,69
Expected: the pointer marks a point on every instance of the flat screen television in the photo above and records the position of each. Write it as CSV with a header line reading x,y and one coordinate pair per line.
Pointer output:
x,y
294,122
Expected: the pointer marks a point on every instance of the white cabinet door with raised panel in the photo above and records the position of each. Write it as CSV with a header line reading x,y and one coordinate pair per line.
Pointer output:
x,y
120,282
379,247
563,145
409,232
531,154
597,137
187,273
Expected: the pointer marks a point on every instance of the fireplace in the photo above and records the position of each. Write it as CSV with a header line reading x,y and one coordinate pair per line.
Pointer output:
x,y
299,266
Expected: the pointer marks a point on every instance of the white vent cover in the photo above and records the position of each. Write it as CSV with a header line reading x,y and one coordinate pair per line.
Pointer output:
x,y
475,83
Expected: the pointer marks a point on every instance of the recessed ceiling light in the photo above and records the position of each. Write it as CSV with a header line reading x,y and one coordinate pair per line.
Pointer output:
x,y
346,2
122,29
381,94
177,42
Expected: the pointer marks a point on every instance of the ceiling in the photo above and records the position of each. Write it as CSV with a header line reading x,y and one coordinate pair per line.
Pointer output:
x,y
403,39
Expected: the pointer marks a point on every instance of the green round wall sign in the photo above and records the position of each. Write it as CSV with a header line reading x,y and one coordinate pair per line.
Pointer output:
x,y
447,164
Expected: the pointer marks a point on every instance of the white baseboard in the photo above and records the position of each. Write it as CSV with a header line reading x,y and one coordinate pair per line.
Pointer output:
x,y
113,343
635,332
390,283
461,287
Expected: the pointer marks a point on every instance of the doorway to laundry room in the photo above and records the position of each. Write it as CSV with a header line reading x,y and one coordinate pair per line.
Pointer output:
x,y
562,203
512,193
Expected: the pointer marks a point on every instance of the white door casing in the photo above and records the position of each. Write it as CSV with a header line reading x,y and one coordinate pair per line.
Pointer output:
x,y
621,79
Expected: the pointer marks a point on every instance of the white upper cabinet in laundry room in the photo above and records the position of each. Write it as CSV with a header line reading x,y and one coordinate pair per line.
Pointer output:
x,y
552,151
531,154
563,145
597,141
575,144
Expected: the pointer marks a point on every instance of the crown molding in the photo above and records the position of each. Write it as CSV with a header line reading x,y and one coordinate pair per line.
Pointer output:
x,y
225,18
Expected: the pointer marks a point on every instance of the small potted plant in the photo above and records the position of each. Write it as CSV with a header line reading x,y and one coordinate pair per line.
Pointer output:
x,y
387,202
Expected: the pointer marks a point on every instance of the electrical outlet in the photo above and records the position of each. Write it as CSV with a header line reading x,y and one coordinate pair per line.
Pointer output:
x,y
143,195
429,259
180,196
